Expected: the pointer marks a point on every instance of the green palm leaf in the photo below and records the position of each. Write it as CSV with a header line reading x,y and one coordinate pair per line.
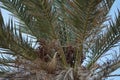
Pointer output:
x,y
106,41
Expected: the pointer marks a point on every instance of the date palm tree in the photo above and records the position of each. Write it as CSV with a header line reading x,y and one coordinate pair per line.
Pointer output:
x,y
58,40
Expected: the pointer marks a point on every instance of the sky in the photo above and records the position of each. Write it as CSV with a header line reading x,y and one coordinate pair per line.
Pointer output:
x,y
114,9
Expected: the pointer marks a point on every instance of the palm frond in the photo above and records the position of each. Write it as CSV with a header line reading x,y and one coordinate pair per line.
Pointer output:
x,y
41,24
106,40
91,14
107,68
13,40
37,19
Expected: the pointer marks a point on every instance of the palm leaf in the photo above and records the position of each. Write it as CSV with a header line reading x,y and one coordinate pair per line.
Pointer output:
x,y
107,68
35,18
14,41
106,41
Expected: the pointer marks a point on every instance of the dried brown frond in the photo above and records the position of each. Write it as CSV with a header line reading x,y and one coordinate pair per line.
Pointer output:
x,y
43,51
70,55
52,64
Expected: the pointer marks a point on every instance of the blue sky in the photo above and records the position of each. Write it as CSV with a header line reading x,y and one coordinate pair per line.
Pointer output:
x,y
111,13
114,8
